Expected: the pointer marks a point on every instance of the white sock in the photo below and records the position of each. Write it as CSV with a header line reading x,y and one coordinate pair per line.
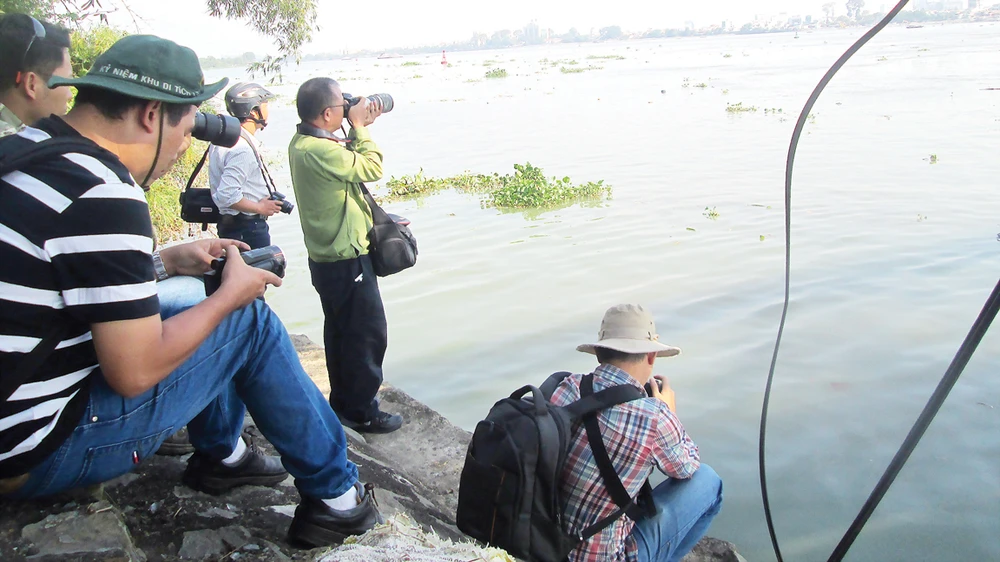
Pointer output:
x,y
238,452
347,500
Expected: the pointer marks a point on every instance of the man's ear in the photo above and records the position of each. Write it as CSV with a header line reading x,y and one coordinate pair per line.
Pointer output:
x,y
651,357
32,83
149,116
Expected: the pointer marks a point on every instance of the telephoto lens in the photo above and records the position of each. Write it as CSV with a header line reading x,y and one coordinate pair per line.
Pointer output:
x,y
220,130
381,101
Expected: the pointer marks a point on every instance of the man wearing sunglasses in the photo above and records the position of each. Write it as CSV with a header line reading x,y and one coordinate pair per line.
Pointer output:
x,y
33,52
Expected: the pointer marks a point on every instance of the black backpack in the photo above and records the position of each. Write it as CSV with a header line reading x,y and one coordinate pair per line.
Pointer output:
x,y
509,491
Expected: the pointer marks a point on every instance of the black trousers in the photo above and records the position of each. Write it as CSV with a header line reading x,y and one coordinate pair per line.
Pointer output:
x,y
354,333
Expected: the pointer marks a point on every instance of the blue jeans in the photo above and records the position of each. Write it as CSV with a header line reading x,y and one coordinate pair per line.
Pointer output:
x,y
252,231
247,363
684,510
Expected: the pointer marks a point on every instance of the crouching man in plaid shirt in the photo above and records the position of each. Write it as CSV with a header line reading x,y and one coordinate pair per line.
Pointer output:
x,y
640,435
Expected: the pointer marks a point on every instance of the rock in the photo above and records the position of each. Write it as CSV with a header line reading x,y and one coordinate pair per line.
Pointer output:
x,y
98,535
201,545
713,550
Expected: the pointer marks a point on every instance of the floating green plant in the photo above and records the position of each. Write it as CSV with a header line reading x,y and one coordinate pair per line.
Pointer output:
x,y
496,73
740,108
527,187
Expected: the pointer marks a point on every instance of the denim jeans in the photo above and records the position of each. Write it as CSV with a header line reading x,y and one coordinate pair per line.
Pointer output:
x,y
684,510
247,363
354,334
252,231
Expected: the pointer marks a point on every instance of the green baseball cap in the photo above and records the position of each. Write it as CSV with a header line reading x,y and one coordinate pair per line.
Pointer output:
x,y
150,68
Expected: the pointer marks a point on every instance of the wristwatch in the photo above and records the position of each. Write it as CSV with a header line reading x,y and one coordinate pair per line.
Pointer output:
x,y
161,272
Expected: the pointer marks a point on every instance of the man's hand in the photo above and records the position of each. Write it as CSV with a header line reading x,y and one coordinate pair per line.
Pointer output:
x,y
363,113
267,207
241,283
663,392
195,258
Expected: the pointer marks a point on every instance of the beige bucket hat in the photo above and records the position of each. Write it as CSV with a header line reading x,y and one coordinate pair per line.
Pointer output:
x,y
629,328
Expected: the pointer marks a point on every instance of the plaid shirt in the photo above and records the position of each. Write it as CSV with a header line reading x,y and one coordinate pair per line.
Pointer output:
x,y
639,435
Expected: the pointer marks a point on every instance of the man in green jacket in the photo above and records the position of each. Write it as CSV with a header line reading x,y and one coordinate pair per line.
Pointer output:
x,y
326,175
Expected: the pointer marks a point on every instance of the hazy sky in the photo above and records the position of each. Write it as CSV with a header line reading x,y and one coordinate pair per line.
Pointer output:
x,y
384,24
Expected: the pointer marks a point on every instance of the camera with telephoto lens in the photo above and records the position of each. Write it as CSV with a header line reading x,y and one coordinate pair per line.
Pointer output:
x,y
381,101
286,206
270,258
220,130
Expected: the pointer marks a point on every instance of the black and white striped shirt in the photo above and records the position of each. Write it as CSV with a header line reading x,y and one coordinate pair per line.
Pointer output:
x,y
75,249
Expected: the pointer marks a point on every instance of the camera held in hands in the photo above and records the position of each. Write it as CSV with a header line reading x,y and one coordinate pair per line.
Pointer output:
x,y
220,130
286,206
650,383
382,101
270,258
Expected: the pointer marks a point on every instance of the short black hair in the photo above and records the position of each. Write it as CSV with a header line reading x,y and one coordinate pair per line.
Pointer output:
x,y
42,58
113,105
605,355
315,95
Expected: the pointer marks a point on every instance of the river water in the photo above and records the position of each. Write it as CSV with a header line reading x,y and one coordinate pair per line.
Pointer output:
x,y
893,254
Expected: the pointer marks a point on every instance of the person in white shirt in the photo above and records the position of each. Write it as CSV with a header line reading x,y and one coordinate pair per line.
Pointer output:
x,y
238,177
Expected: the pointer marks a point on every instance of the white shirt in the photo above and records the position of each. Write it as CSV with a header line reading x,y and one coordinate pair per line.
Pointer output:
x,y
234,173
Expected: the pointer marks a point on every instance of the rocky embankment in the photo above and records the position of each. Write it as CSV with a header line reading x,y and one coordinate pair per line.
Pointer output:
x,y
150,515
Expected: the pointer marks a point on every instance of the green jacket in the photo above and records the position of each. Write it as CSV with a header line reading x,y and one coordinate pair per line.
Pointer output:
x,y
333,212
9,123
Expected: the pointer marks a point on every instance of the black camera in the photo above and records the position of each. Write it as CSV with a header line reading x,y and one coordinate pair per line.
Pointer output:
x,y
649,386
270,258
286,206
381,101
220,130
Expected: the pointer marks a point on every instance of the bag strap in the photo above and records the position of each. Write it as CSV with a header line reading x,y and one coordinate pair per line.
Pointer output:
x,y
379,216
197,169
549,386
612,481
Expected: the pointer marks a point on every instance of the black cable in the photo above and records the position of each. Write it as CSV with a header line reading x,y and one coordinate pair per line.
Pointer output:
x,y
789,163
958,364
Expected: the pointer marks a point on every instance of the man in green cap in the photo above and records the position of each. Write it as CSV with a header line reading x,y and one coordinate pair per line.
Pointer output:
x,y
107,347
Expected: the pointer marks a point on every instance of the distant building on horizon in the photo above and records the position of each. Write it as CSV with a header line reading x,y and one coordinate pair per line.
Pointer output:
x,y
942,5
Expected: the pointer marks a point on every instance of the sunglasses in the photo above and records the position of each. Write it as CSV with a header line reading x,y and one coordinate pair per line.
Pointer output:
x,y
39,34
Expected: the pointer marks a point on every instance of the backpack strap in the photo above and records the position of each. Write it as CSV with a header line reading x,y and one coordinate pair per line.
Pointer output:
x,y
549,386
612,481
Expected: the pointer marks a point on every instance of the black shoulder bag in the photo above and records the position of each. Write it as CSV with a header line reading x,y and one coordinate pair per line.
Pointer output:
x,y
196,203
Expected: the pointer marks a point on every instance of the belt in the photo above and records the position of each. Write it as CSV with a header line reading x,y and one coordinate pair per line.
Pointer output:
x,y
12,484
243,217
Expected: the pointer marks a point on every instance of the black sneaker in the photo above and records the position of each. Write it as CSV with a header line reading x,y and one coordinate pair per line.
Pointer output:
x,y
176,445
212,477
383,422
316,524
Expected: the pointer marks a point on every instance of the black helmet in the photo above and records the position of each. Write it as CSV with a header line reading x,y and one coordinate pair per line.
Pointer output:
x,y
242,98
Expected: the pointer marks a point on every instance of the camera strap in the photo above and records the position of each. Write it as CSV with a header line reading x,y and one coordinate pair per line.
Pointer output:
x,y
264,172
313,131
